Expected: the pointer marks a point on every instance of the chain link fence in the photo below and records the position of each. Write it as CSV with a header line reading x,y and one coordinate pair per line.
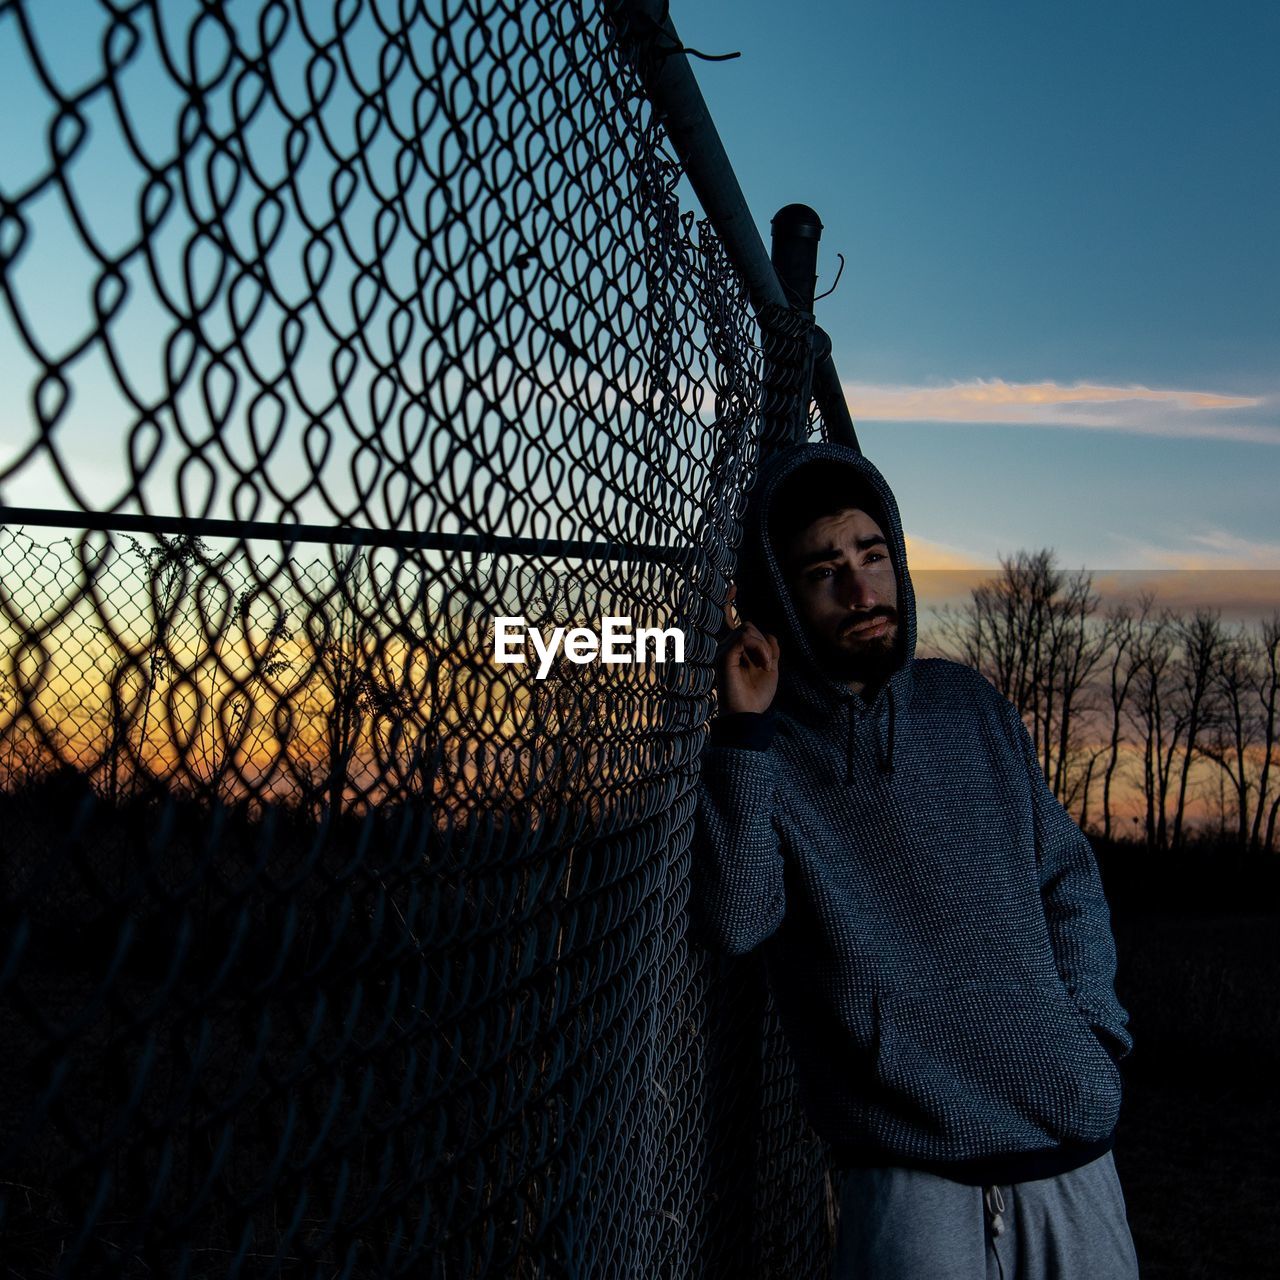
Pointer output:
x,y
332,946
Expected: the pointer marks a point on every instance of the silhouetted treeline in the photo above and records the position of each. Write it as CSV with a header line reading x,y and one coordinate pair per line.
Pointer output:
x,y
1144,717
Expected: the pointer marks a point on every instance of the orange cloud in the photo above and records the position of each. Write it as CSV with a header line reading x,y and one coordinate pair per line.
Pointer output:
x,y
1145,410
924,555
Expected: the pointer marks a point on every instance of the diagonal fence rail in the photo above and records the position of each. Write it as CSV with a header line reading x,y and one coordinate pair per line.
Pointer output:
x,y
332,946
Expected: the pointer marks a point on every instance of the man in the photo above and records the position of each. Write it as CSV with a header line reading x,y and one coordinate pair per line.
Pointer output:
x,y
932,919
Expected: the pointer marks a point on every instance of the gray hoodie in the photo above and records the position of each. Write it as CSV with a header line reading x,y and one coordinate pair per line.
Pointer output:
x,y
932,919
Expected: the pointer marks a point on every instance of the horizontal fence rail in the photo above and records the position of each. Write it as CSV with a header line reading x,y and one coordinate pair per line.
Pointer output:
x,y
249,530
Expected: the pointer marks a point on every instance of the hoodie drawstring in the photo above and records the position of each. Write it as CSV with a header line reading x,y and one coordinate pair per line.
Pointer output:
x,y
885,761
884,751
993,1201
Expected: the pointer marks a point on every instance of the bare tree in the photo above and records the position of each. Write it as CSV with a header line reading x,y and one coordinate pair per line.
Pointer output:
x,y
169,569
1241,732
338,629
1177,663
1123,643
1031,631
1269,696
1078,793
1075,647
1000,632
1201,641
1232,727
1150,715
244,707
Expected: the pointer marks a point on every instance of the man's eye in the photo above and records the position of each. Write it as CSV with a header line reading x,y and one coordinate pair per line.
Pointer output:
x,y
819,573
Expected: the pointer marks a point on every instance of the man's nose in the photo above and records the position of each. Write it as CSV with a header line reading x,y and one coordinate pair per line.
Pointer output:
x,y
860,590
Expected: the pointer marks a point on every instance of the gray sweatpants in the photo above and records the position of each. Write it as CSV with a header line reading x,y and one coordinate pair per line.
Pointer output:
x,y
905,1224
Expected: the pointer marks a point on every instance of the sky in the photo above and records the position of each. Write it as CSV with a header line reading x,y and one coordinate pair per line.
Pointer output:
x,y
1058,324
1059,319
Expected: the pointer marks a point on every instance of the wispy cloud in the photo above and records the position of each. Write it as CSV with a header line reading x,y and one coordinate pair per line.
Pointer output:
x,y
1210,549
1156,411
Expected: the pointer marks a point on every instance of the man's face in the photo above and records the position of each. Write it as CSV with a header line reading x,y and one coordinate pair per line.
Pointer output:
x,y
846,594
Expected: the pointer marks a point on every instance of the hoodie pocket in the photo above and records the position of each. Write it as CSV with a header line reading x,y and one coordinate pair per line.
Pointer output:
x,y
990,1067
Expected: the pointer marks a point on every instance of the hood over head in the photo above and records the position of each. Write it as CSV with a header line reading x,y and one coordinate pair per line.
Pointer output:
x,y
805,690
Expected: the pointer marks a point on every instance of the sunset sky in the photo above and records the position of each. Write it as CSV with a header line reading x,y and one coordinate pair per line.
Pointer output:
x,y
1059,320
1058,326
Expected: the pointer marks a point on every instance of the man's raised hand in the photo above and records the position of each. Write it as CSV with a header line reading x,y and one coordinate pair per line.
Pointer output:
x,y
748,675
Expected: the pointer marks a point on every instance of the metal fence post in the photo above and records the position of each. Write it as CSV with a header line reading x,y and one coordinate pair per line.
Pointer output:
x,y
794,253
797,229
788,374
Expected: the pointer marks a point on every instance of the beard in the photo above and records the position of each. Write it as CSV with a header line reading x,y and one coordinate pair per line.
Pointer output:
x,y
873,660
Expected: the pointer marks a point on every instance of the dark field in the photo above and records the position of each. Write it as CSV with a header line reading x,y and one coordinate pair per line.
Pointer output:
x,y
1198,1149
1198,936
